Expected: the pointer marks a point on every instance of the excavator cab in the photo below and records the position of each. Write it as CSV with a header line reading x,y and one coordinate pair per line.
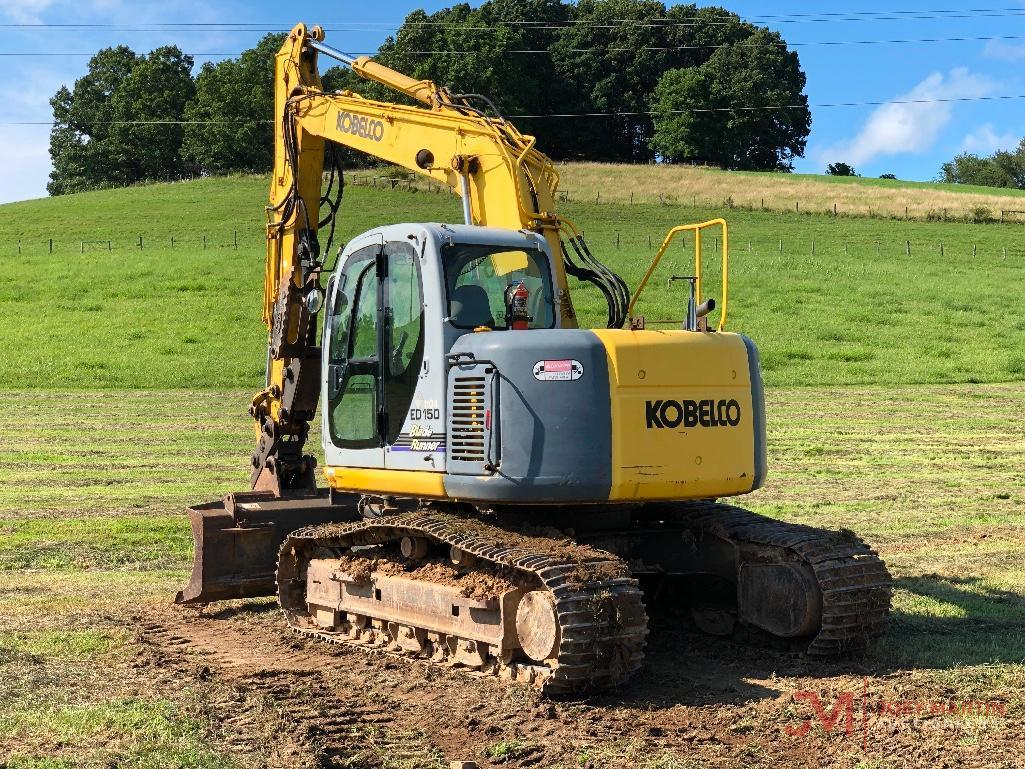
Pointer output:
x,y
396,304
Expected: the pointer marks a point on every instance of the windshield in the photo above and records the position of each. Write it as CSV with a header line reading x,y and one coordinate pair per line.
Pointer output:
x,y
477,277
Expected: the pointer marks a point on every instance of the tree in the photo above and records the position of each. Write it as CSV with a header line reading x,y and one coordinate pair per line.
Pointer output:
x,y
148,108
231,119
80,141
972,169
841,169
744,108
888,176
120,122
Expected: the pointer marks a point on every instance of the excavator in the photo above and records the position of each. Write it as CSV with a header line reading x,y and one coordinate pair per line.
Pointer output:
x,y
506,493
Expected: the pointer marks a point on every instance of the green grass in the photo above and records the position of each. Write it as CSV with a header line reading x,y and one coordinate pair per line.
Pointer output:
x,y
129,374
190,318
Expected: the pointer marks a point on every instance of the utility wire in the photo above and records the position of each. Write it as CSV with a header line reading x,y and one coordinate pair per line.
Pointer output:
x,y
814,17
599,49
739,108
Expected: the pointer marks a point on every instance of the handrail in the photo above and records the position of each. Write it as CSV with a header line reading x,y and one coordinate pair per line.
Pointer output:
x,y
696,229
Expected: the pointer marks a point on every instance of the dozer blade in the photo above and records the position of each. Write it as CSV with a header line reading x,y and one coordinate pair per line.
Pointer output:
x,y
237,540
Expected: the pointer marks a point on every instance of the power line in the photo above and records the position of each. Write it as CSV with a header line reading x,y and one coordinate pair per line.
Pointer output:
x,y
722,19
598,49
737,108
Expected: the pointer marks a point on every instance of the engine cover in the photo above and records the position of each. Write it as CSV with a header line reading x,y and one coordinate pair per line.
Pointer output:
x,y
560,415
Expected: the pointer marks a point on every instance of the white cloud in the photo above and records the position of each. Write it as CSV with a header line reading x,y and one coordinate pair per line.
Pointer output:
x,y
999,49
984,140
25,158
913,126
25,11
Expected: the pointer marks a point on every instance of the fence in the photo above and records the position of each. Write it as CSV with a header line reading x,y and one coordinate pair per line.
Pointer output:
x,y
607,241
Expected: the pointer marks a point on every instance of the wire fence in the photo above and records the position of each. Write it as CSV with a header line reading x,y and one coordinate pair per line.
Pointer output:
x,y
626,242
786,244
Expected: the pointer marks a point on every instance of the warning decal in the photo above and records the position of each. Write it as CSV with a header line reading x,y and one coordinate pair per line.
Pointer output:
x,y
558,370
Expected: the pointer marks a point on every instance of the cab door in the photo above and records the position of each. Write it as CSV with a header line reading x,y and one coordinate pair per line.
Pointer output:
x,y
374,357
352,390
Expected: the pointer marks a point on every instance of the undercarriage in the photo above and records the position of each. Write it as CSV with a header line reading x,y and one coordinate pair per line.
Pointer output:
x,y
560,609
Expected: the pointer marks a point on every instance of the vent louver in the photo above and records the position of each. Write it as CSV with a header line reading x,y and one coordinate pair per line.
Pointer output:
x,y
466,429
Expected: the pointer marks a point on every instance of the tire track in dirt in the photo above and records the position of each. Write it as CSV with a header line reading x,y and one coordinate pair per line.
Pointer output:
x,y
268,694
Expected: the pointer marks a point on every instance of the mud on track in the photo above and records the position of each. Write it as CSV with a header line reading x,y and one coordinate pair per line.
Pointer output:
x,y
276,699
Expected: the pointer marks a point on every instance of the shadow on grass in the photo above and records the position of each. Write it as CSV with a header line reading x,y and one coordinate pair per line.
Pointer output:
x,y
964,622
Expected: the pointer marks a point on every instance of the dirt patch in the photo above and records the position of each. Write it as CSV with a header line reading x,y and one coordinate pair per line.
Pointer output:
x,y
480,582
295,702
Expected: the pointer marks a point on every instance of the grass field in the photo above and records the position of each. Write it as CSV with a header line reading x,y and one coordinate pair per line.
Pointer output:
x,y
842,303
895,407
930,475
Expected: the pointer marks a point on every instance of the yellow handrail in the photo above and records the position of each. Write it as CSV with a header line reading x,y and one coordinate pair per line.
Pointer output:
x,y
696,229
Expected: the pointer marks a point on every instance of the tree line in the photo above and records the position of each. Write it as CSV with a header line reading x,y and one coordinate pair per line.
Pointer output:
x,y
643,83
1001,169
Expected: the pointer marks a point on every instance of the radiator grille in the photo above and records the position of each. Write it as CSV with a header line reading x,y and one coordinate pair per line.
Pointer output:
x,y
467,429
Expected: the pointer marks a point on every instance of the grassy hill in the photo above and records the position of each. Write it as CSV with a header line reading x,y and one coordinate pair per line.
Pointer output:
x,y
842,303
808,193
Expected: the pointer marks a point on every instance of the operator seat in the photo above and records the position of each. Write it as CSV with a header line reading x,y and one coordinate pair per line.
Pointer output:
x,y
470,307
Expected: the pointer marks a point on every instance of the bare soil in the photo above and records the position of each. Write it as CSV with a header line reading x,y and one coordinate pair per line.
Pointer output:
x,y
288,701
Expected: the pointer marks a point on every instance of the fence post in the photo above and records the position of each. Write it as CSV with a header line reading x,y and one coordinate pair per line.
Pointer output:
x,y
631,198
834,210
715,249
781,245
797,206
51,245
907,247
845,249
649,241
905,212
83,247
108,246
975,250
172,242
941,248
749,246
19,247
813,246
617,238
597,197
1005,252
236,240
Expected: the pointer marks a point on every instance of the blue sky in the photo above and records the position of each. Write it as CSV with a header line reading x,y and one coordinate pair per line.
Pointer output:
x,y
910,140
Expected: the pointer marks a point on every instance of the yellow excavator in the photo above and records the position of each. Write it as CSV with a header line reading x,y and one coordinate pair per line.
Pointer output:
x,y
506,492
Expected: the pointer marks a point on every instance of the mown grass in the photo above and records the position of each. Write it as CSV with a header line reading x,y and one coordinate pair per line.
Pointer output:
x,y
857,310
931,476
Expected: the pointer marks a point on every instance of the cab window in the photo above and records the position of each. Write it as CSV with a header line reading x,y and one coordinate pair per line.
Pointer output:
x,y
477,277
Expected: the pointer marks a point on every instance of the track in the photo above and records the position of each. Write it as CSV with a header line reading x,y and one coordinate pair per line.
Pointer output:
x,y
856,586
601,616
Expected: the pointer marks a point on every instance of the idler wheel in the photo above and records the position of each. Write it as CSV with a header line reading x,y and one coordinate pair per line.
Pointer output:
x,y
537,625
